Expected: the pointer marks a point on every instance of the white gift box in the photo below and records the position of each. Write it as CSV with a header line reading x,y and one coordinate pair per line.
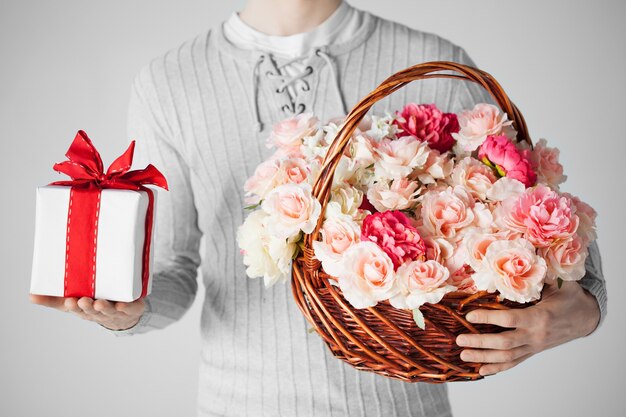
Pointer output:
x,y
119,249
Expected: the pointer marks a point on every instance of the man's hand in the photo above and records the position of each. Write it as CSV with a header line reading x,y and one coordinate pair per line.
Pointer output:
x,y
112,315
562,315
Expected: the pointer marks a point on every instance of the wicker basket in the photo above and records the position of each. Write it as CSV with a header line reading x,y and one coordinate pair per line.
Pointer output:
x,y
383,339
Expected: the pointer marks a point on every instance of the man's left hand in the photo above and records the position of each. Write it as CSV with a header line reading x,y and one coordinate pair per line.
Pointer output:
x,y
563,314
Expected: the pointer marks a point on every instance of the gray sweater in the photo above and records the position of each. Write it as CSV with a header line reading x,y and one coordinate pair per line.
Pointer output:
x,y
201,114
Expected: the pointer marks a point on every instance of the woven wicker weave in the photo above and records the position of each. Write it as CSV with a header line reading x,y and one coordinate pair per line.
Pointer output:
x,y
383,339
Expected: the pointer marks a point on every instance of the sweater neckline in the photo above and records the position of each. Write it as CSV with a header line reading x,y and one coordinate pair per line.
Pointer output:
x,y
360,36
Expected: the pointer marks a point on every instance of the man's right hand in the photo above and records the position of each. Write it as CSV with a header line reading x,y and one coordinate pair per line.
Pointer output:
x,y
112,315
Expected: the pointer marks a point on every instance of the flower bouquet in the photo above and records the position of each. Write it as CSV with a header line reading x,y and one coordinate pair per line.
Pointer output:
x,y
393,227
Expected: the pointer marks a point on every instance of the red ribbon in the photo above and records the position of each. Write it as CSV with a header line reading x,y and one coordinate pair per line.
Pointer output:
x,y
84,166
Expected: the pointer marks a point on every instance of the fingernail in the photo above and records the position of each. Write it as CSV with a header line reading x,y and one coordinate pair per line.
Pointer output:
x,y
470,317
465,356
461,340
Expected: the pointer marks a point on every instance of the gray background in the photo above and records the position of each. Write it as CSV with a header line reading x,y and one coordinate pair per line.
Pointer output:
x,y
66,65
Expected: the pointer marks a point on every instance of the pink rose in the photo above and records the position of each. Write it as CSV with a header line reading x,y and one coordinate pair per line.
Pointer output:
x,y
540,214
501,154
339,232
428,124
462,280
482,121
367,275
393,232
438,249
294,170
290,132
420,282
545,162
399,195
512,268
474,175
265,178
445,213
566,259
292,208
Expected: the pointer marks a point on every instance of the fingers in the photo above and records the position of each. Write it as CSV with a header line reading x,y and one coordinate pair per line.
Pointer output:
x,y
503,318
504,341
493,355
48,301
136,308
86,304
105,307
494,368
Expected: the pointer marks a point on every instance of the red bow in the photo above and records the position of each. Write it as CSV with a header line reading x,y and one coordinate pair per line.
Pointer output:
x,y
85,167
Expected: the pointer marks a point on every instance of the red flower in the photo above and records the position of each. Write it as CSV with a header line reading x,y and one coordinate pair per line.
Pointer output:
x,y
428,124
393,233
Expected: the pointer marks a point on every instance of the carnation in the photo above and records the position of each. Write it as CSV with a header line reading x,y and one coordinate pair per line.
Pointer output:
x,y
428,124
501,154
540,214
393,232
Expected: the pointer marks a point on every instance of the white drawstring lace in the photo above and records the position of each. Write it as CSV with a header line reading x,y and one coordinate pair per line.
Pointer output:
x,y
292,83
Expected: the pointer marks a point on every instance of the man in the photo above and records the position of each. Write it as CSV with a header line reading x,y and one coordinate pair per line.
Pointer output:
x,y
201,113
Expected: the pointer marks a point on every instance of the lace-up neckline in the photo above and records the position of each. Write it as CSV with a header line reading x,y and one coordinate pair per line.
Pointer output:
x,y
293,79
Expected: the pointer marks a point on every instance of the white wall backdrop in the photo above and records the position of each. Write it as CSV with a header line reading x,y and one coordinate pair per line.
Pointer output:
x,y
68,64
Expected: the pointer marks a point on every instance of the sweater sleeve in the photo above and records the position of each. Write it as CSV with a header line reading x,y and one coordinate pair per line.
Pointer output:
x,y
177,236
466,96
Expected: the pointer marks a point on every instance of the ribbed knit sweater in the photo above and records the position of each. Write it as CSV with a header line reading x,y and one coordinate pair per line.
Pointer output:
x,y
201,113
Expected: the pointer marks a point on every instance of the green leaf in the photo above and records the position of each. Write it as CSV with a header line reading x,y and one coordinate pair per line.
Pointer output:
x,y
311,330
370,166
254,206
559,282
418,317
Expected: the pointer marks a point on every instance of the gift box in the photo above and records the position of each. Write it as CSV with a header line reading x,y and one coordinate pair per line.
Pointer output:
x,y
94,233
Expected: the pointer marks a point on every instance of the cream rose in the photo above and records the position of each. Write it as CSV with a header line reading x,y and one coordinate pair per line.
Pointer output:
x,y
292,208
399,157
367,275
420,282
290,132
445,213
401,194
349,199
513,268
474,175
482,121
264,255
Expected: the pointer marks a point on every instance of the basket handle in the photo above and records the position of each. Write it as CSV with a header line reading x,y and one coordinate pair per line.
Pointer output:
x,y
323,183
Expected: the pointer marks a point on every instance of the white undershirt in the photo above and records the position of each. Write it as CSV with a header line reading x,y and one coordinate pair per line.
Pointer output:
x,y
337,28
